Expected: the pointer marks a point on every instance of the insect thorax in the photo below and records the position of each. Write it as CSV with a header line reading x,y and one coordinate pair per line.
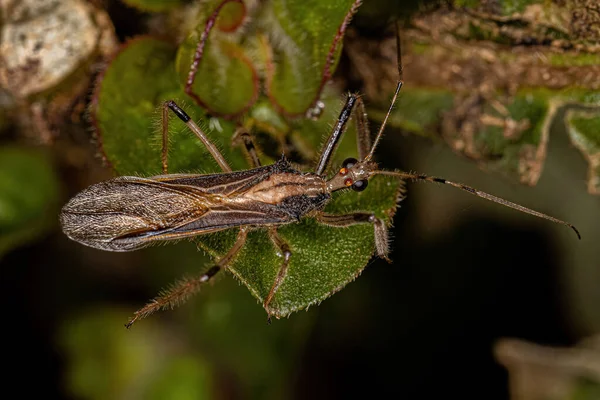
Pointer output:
x,y
293,192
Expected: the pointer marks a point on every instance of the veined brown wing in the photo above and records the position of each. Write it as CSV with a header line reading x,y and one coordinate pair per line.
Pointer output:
x,y
228,184
129,213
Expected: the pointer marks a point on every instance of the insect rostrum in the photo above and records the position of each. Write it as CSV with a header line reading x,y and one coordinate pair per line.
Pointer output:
x,y
128,213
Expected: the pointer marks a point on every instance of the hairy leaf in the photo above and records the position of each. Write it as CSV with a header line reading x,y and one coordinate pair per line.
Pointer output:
x,y
220,75
133,362
306,39
128,118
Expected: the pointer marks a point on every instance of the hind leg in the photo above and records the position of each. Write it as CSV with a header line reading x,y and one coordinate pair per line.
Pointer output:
x,y
182,290
286,253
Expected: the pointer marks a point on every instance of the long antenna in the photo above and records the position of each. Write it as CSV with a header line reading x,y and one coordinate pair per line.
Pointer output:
x,y
398,87
421,177
478,193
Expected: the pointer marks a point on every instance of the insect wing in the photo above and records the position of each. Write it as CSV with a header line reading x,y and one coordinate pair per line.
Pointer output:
x,y
129,213
227,184
112,215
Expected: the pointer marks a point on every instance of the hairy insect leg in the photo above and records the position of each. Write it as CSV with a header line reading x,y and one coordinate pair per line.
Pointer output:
x,y
281,274
399,85
183,289
344,220
362,129
182,115
241,134
336,134
354,106
165,139
366,150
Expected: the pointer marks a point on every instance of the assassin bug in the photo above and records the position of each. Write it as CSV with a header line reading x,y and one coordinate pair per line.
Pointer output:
x,y
129,213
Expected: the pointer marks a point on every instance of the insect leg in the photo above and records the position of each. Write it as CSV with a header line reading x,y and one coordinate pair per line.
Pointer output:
x,y
365,149
287,253
182,290
362,129
241,134
170,104
343,220
165,139
399,85
336,135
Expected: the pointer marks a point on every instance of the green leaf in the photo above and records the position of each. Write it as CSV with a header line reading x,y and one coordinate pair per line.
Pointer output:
x,y
182,378
324,259
226,81
583,128
515,143
132,364
28,196
418,110
128,116
298,59
153,5
307,40
585,389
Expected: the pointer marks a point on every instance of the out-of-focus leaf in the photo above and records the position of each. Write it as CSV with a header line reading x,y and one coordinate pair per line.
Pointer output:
x,y
418,110
153,5
513,142
182,378
221,335
586,389
226,324
28,196
307,40
226,81
129,364
542,372
583,128
511,139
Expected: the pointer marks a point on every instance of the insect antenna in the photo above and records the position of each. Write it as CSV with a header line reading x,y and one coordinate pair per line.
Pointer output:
x,y
478,193
421,177
398,87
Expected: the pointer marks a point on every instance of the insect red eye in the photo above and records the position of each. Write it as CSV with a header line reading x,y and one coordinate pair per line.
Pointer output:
x,y
349,162
348,182
359,186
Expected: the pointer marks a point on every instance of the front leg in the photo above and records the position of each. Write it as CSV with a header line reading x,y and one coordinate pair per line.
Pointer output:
x,y
242,135
344,220
212,149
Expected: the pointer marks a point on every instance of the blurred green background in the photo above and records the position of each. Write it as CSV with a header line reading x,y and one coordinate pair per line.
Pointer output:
x,y
465,274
